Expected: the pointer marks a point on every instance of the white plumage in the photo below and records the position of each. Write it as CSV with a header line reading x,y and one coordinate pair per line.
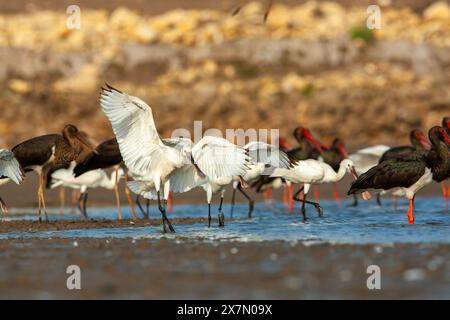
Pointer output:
x,y
311,172
10,169
264,159
173,165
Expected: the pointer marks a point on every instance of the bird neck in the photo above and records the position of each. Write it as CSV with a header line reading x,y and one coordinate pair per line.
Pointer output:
x,y
341,172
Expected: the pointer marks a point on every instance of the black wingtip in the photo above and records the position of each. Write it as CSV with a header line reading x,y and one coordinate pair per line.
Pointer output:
x,y
110,88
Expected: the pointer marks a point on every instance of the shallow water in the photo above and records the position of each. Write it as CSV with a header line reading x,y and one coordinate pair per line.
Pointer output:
x,y
367,223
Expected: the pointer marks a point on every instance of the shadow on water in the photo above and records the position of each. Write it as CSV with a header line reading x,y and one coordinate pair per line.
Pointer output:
x,y
367,223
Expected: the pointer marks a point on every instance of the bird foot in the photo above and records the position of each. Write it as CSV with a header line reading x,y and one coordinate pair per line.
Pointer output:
x,y
319,211
305,218
221,217
167,227
250,209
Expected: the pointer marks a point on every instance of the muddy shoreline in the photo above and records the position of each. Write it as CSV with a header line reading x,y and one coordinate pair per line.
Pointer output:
x,y
168,269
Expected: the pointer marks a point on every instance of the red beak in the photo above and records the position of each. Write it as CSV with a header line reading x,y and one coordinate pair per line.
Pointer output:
x,y
343,151
424,142
319,146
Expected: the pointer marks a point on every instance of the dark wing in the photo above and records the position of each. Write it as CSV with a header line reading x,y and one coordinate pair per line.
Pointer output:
x,y
332,158
35,151
105,155
390,174
396,152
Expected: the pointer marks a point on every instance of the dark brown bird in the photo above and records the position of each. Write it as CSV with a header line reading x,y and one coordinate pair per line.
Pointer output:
x,y
409,173
39,154
107,155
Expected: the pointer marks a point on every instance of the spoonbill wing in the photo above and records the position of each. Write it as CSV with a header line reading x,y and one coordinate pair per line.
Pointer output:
x,y
135,131
10,167
267,154
217,158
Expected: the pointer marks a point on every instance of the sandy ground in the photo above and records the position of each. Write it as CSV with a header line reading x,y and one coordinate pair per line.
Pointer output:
x,y
145,268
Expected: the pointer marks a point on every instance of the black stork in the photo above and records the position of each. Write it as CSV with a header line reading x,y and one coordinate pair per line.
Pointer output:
x,y
418,142
107,155
411,172
39,154
10,169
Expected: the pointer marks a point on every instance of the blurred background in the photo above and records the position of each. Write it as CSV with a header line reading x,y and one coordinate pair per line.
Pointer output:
x,y
312,63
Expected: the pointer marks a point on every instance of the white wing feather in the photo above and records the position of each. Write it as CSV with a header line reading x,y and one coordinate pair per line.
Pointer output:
x,y
10,167
217,158
132,122
267,154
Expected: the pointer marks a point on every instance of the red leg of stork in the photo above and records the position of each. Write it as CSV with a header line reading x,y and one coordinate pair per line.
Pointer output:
x,y
336,195
316,194
266,195
444,194
410,211
272,201
448,192
285,196
170,203
291,197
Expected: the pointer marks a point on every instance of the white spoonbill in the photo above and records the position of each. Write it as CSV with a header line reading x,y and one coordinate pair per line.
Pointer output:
x,y
159,164
97,178
313,172
10,169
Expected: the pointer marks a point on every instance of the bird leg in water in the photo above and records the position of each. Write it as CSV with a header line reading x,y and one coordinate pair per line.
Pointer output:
x,y
336,195
41,196
81,204
128,194
116,192
165,220
285,196
410,211
315,204
355,201
290,197
62,200
379,199
316,194
251,202
138,203
209,215
444,194
272,200
3,206
221,215
266,195
448,192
